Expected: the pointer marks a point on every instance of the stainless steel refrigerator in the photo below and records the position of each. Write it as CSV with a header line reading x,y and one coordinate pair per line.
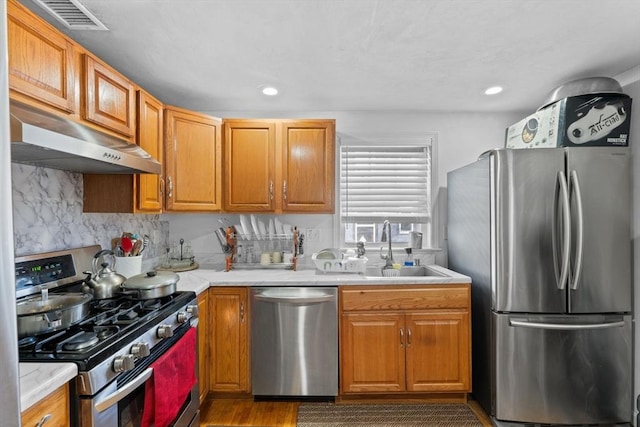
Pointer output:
x,y
545,236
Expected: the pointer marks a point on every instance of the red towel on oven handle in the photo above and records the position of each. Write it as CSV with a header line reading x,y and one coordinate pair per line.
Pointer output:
x,y
174,374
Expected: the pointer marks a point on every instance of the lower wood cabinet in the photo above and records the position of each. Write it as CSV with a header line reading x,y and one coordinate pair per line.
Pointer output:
x,y
203,344
228,338
55,405
405,339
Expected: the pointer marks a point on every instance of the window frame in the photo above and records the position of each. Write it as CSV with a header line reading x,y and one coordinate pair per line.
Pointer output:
x,y
430,229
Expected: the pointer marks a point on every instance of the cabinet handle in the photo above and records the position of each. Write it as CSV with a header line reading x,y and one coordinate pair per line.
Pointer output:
x,y
43,420
241,312
161,187
170,185
408,337
270,190
284,190
401,337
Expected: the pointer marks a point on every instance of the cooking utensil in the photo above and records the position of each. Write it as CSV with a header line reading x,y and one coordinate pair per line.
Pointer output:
x,y
127,245
586,86
137,248
48,313
104,282
145,243
152,284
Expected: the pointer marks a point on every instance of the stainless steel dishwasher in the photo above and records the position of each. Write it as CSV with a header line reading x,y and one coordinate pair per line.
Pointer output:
x,y
294,341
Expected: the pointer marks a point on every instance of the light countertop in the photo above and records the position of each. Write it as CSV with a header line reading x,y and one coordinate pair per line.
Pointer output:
x,y
200,279
37,380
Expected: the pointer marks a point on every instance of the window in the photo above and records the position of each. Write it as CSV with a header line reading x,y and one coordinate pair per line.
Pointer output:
x,y
381,181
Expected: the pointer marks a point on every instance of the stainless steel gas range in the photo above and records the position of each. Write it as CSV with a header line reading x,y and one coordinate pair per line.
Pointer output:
x,y
125,348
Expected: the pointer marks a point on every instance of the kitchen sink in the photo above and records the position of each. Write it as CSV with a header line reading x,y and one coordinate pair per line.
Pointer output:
x,y
406,271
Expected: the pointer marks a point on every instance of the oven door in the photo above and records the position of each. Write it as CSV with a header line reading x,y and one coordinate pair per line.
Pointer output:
x,y
121,403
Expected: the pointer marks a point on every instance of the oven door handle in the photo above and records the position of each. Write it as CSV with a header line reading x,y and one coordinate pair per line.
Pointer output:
x,y
116,397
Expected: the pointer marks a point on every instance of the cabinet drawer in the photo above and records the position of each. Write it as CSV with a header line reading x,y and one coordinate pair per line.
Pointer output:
x,y
357,298
56,404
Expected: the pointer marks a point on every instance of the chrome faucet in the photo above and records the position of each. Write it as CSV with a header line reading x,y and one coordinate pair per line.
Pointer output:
x,y
389,256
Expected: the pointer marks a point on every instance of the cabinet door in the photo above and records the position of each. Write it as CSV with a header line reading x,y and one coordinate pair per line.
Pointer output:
x,y
229,368
372,353
308,149
150,122
438,351
109,98
203,344
249,165
193,162
56,404
41,60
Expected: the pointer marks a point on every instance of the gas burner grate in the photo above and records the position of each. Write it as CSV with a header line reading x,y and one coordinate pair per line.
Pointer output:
x,y
79,341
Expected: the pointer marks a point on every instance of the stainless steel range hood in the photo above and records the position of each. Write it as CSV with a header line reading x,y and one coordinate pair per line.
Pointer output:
x,y
42,139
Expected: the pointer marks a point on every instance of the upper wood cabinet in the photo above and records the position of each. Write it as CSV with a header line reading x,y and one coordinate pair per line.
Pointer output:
x,y
150,134
308,165
193,161
108,98
249,176
43,67
279,165
140,193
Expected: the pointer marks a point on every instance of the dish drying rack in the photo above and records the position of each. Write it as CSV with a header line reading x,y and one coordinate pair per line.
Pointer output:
x,y
243,250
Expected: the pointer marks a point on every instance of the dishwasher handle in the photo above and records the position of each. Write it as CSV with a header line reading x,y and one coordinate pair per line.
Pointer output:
x,y
295,299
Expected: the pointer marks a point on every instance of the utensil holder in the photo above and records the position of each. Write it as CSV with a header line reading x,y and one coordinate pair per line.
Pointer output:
x,y
128,266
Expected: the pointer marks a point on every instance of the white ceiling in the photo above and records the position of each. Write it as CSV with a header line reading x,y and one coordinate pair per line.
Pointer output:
x,y
334,55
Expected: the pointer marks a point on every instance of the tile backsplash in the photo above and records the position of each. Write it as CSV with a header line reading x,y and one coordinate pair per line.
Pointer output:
x,y
47,216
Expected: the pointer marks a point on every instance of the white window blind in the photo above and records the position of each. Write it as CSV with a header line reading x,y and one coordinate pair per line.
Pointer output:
x,y
385,182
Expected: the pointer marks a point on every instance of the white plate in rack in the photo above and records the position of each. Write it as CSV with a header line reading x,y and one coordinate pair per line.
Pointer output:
x,y
254,225
263,230
278,226
240,230
246,226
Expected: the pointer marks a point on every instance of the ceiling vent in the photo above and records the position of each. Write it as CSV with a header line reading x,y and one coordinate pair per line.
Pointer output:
x,y
72,14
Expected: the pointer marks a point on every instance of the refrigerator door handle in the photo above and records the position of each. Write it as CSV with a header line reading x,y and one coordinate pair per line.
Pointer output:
x,y
566,327
562,196
577,269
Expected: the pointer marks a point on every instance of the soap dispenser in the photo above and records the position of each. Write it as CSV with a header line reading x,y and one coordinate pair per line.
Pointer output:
x,y
409,261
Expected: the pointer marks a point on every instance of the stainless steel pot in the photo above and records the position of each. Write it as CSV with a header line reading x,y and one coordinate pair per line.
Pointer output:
x,y
48,313
152,284
586,86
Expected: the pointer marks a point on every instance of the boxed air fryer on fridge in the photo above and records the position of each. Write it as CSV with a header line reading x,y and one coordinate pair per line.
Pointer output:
x,y
576,121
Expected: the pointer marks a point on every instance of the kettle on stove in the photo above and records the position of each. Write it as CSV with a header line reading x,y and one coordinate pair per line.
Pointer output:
x,y
103,282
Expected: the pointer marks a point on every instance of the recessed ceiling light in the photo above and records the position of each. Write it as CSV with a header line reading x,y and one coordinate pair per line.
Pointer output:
x,y
269,91
493,90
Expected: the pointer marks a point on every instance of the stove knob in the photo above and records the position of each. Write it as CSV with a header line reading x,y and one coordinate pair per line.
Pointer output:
x,y
164,331
140,350
193,310
183,317
123,363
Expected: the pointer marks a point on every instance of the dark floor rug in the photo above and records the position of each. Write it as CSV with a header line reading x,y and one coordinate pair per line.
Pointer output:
x,y
397,415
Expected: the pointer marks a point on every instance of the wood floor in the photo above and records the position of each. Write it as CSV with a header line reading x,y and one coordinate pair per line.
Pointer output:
x,y
246,412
